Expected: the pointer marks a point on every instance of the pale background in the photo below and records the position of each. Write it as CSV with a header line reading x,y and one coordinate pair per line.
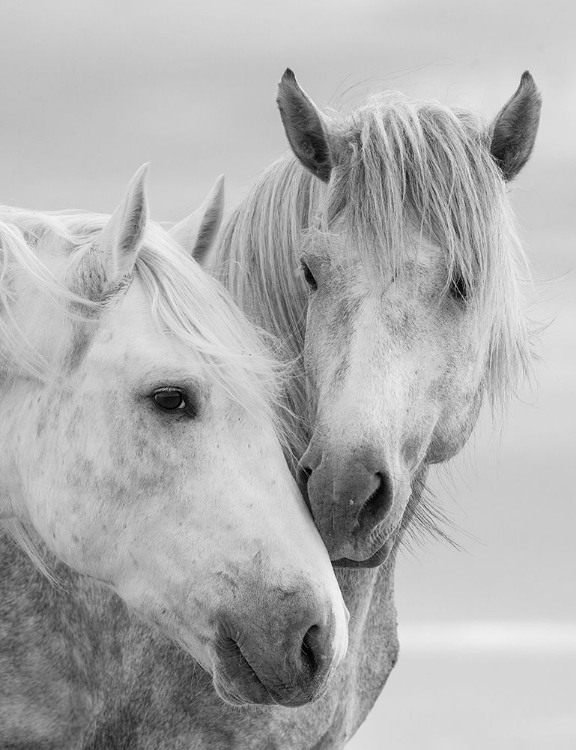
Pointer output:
x,y
90,90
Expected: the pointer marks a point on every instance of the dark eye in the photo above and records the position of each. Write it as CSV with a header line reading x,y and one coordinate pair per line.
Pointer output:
x,y
458,288
309,276
170,399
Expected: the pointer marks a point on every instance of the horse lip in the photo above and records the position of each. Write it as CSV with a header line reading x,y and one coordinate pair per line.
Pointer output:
x,y
248,688
379,557
263,696
256,695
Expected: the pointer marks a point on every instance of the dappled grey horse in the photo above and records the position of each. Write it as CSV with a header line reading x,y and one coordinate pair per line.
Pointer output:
x,y
142,470
405,316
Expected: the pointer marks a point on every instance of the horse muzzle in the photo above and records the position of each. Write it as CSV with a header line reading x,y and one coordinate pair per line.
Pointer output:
x,y
357,504
287,660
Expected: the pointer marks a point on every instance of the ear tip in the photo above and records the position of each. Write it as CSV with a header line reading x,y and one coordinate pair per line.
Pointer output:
x,y
143,170
287,83
219,184
528,86
141,176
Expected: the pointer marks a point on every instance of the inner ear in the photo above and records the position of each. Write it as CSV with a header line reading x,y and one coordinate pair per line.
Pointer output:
x,y
197,232
515,127
109,262
121,239
304,127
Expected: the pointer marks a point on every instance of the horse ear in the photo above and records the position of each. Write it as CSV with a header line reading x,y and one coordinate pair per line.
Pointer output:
x,y
515,127
121,238
304,126
196,233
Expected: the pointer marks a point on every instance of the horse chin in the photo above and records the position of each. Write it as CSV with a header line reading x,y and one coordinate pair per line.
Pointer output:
x,y
252,692
255,694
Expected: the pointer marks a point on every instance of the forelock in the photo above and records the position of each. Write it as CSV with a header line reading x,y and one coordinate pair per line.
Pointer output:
x,y
405,167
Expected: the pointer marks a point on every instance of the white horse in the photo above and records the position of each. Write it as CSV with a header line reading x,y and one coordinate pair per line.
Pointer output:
x,y
405,316
141,447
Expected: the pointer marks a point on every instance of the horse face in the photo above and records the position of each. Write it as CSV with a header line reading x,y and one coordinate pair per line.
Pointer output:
x,y
142,471
395,370
399,345
169,491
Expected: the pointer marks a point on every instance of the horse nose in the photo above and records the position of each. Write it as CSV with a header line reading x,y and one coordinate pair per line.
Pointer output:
x,y
288,661
373,494
363,499
349,499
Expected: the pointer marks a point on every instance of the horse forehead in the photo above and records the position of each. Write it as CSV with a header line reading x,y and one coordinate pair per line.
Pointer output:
x,y
358,277
128,327
369,296
357,252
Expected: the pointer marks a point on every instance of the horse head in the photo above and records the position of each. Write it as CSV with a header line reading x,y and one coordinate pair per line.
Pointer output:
x,y
409,261
141,443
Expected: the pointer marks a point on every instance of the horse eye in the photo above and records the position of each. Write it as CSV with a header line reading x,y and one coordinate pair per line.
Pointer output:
x,y
458,288
309,277
170,399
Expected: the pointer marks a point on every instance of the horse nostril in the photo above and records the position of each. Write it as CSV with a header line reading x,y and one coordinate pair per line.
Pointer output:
x,y
379,503
308,650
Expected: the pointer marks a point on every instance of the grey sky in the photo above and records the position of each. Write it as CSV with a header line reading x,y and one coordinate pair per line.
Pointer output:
x,y
93,88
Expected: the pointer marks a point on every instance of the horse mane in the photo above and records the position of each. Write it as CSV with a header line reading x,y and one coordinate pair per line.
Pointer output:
x,y
256,259
186,304
400,167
